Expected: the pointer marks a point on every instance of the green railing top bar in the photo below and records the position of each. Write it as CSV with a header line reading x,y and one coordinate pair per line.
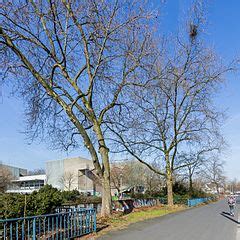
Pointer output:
x,y
46,215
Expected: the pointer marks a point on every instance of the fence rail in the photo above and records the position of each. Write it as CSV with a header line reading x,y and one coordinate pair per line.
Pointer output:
x,y
196,201
189,202
64,225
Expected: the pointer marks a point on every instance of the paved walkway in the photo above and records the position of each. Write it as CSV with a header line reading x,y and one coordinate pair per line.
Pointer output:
x,y
210,222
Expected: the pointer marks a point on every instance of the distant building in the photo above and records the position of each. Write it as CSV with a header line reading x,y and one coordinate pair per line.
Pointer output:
x,y
67,174
21,182
211,188
27,184
73,174
15,171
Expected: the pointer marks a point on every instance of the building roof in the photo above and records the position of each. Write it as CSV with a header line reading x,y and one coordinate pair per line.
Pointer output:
x,y
69,159
31,178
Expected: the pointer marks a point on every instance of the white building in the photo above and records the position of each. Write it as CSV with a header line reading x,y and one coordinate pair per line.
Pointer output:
x,y
66,174
27,184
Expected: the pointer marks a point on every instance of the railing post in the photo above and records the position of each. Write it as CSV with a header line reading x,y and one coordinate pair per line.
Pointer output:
x,y
34,229
95,221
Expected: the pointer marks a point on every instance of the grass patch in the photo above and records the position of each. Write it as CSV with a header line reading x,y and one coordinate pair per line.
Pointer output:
x,y
144,214
151,212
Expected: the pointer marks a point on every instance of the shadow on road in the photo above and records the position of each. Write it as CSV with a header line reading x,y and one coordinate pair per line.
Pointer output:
x,y
227,215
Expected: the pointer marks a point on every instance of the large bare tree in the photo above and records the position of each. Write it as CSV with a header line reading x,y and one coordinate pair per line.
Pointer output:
x,y
174,110
70,61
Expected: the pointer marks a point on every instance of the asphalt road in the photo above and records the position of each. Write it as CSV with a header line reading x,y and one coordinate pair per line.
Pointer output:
x,y
210,222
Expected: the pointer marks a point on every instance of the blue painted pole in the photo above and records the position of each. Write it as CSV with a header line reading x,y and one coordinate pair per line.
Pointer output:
x,y
95,221
11,235
16,230
34,229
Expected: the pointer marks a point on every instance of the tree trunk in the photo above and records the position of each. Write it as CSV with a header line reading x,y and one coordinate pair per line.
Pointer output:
x,y
169,180
169,187
217,188
190,182
190,185
106,209
106,197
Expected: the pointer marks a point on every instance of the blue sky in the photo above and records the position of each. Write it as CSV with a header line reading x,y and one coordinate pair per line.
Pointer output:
x,y
223,33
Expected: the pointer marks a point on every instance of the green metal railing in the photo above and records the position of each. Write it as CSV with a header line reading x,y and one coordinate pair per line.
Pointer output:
x,y
64,225
196,201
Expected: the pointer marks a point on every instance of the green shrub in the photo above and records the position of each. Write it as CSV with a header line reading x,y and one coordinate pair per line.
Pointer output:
x,y
140,195
44,201
83,199
70,196
11,205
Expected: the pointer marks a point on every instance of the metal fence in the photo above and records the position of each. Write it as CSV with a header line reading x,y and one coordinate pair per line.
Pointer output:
x,y
189,202
196,201
64,225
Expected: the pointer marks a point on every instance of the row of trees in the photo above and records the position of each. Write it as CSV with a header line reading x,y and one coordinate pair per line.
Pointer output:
x,y
199,174
101,73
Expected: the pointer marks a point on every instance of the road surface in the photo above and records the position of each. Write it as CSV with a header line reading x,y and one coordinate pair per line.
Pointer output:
x,y
210,222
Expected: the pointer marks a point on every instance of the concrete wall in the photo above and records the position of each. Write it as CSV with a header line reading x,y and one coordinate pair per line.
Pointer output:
x,y
54,172
15,171
71,173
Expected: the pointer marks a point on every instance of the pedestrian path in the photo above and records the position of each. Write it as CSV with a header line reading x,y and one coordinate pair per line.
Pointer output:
x,y
210,222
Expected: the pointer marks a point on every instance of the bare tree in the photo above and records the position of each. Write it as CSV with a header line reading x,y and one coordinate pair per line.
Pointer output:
x,y
38,171
67,180
5,178
117,175
195,160
131,173
153,182
71,61
233,185
214,172
175,110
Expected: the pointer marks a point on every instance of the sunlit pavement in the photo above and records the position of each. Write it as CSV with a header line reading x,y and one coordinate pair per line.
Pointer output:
x,y
210,222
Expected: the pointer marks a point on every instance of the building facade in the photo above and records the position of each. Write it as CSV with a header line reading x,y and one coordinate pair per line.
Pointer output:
x,y
16,172
21,182
27,184
73,174
67,174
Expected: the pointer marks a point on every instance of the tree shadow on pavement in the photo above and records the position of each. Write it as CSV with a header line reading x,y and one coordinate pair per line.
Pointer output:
x,y
227,215
101,226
